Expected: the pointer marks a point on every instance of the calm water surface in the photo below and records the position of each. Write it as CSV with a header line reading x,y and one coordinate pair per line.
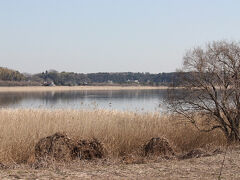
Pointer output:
x,y
126,100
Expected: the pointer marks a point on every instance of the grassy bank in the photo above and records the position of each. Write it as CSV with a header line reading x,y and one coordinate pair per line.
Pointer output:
x,y
121,132
75,88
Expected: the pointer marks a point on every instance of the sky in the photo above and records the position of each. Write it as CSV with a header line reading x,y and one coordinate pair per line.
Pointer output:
x,y
110,35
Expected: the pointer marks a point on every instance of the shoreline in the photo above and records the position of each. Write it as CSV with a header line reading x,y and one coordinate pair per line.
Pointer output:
x,y
75,88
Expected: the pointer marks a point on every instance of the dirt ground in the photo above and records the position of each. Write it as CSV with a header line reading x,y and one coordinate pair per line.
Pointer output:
x,y
195,168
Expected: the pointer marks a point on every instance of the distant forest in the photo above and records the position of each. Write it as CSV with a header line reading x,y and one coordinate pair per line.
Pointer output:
x,y
10,77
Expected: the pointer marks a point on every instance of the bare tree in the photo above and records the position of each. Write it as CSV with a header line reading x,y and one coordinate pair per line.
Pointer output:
x,y
211,88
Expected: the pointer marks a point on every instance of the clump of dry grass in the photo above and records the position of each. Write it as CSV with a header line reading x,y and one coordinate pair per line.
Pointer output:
x,y
121,133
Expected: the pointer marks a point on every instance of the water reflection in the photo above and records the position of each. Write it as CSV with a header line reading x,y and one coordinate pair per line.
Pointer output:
x,y
146,100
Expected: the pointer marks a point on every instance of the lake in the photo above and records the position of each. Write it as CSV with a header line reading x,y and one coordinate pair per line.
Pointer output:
x,y
125,100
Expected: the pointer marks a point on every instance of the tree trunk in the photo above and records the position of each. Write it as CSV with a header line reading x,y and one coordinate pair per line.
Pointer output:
x,y
233,136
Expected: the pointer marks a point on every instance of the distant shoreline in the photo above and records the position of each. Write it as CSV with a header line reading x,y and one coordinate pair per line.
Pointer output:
x,y
75,88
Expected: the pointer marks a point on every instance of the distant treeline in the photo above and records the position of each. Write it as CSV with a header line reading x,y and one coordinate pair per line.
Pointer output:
x,y
124,78
53,77
10,75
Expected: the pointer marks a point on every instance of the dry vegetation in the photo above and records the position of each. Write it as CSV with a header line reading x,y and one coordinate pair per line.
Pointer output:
x,y
122,133
196,168
75,88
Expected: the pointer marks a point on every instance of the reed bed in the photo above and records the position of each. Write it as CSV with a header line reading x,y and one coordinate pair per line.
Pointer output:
x,y
75,88
121,133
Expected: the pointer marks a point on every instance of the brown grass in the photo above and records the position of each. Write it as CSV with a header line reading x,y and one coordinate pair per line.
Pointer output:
x,y
74,88
122,133
203,168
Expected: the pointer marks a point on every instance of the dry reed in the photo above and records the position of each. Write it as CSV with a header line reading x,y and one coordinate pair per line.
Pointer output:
x,y
75,88
121,132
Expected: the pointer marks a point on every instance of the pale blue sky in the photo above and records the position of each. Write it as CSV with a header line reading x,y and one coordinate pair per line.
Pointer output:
x,y
110,35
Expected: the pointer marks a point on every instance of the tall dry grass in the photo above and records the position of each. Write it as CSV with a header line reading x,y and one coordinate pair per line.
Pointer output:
x,y
121,132
75,88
